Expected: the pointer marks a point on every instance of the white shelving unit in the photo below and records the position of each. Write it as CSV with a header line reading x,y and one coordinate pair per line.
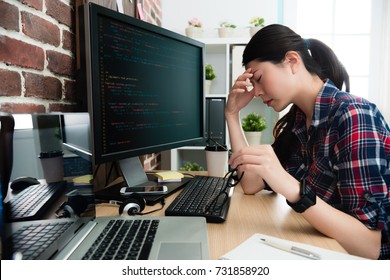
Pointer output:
x,y
225,55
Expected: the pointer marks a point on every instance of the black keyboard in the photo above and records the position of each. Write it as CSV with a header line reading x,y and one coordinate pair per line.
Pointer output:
x,y
33,202
33,241
124,240
203,196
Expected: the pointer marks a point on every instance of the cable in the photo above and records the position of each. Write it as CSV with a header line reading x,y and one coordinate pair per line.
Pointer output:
x,y
162,201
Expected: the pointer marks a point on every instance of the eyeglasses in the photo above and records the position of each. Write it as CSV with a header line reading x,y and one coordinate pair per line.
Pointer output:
x,y
220,200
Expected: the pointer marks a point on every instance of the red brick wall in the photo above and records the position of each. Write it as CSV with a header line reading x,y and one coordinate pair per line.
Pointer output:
x,y
37,55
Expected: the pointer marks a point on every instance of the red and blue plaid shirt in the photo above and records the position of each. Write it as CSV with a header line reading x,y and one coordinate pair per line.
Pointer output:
x,y
345,157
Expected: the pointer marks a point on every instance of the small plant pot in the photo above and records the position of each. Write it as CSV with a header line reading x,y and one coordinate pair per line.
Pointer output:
x,y
194,32
253,137
208,87
225,32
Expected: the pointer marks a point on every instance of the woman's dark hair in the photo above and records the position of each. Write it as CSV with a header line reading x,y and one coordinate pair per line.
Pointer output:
x,y
271,43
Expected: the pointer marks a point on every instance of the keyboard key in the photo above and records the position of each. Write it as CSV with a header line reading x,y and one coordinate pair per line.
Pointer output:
x,y
124,239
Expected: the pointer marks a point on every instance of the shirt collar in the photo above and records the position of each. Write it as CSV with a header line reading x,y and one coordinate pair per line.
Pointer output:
x,y
322,108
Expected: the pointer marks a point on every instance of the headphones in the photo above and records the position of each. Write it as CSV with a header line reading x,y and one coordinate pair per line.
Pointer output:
x,y
133,205
75,206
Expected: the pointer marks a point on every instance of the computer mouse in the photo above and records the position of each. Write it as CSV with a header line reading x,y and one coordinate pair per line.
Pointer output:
x,y
21,183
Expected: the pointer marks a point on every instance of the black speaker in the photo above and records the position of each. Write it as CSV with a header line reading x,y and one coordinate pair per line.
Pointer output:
x,y
215,124
215,116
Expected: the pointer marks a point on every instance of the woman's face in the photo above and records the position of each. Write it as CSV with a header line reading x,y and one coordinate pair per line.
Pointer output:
x,y
272,83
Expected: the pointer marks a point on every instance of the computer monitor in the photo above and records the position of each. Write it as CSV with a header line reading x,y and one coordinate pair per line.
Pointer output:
x,y
145,87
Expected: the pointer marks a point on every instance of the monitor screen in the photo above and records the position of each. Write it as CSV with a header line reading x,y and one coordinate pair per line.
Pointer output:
x,y
145,87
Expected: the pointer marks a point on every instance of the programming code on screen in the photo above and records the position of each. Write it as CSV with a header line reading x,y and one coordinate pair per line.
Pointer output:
x,y
145,84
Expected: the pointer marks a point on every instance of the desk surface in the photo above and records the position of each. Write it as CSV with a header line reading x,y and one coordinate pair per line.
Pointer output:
x,y
265,213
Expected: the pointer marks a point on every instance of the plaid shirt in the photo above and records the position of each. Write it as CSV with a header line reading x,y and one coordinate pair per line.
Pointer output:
x,y
345,156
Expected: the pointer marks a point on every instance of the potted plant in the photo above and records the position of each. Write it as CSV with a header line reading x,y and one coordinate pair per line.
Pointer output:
x,y
194,29
253,124
256,24
191,166
226,29
210,75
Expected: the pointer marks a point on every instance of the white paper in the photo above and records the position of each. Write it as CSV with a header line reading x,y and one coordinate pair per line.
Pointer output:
x,y
254,249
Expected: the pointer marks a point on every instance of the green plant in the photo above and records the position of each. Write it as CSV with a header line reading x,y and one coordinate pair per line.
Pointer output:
x,y
191,166
253,122
227,24
257,22
210,73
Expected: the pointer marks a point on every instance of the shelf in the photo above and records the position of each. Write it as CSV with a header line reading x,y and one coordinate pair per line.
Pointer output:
x,y
225,41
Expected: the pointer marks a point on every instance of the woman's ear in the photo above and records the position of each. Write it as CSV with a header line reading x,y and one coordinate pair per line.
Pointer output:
x,y
294,61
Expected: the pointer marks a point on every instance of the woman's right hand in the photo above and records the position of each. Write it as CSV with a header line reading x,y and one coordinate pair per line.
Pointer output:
x,y
239,95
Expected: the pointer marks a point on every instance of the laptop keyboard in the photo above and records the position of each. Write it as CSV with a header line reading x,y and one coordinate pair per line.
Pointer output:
x,y
196,197
124,240
33,202
32,241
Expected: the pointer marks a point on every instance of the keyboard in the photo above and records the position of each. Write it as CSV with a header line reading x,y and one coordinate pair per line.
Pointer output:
x,y
124,240
33,202
201,197
32,241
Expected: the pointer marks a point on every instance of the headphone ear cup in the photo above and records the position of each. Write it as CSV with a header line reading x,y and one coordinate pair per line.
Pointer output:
x,y
134,204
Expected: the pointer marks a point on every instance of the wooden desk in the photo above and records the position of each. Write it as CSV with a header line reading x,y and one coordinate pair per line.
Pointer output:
x,y
264,212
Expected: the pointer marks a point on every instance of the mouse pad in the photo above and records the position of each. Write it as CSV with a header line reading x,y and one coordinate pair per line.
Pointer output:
x,y
113,192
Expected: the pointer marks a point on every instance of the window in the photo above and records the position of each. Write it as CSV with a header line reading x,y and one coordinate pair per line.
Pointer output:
x,y
347,33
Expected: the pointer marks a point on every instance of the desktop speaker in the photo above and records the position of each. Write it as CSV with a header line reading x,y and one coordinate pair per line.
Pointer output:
x,y
215,125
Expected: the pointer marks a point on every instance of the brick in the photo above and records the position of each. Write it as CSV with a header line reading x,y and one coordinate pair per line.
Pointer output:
x,y
36,4
9,18
42,86
61,107
40,29
10,82
22,54
68,41
22,108
70,91
60,63
60,11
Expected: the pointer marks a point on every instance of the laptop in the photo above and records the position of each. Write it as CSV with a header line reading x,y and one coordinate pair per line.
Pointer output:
x,y
76,234
176,238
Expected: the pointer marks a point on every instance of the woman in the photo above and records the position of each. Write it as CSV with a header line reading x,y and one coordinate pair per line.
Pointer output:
x,y
331,154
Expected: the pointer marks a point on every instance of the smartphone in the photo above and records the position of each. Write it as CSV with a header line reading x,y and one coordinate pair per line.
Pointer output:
x,y
144,190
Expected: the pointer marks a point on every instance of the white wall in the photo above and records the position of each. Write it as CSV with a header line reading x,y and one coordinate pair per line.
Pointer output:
x,y
176,13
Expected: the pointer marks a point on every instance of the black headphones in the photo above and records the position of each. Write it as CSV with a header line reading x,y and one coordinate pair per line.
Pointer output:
x,y
75,206
133,205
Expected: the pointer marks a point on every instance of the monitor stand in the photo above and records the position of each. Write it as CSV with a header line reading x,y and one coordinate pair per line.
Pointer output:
x,y
134,173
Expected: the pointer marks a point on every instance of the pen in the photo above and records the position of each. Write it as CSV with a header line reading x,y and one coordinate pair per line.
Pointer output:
x,y
292,249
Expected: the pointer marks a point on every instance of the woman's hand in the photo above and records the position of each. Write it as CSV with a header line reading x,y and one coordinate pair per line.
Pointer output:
x,y
239,95
262,161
